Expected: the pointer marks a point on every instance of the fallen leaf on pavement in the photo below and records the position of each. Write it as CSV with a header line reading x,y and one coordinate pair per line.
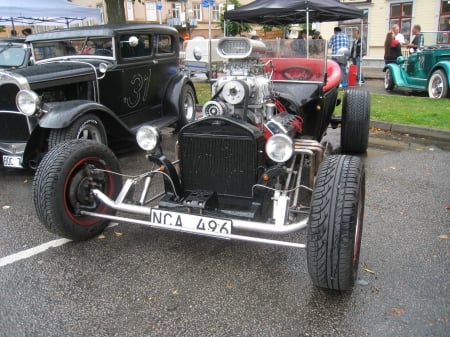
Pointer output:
x,y
118,233
25,181
393,168
447,207
6,207
443,236
102,236
367,269
397,312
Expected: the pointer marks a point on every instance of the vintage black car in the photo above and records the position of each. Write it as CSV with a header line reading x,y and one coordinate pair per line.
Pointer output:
x,y
100,82
252,167
14,53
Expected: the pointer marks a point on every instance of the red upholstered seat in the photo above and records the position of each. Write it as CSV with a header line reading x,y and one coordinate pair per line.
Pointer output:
x,y
315,65
333,75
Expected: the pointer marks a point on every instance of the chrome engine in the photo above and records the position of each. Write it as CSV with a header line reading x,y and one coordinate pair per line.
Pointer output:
x,y
246,92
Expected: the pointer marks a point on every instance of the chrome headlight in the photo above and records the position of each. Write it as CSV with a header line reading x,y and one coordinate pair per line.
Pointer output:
x,y
148,138
27,102
280,148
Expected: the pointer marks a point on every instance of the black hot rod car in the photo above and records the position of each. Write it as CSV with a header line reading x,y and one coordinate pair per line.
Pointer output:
x,y
251,166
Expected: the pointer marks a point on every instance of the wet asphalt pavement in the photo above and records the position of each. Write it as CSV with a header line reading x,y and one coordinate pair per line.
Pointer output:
x,y
136,281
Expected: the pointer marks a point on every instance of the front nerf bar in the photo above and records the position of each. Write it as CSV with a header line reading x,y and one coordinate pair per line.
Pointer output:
x,y
237,223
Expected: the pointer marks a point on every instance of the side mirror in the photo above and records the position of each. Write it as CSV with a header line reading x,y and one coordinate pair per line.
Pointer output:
x,y
133,41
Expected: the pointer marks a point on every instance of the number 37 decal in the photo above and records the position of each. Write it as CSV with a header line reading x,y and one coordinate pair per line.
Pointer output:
x,y
139,84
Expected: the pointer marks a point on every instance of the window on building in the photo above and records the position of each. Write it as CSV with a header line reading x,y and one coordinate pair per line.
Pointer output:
x,y
349,26
130,10
197,11
176,10
444,22
215,12
444,19
150,11
401,14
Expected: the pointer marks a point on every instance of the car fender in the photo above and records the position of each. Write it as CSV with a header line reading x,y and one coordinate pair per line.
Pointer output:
x,y
59,115
398,74
173,92
445,66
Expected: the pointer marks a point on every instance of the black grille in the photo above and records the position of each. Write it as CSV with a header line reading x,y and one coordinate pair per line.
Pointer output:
x,y
8,94
13,128
220,155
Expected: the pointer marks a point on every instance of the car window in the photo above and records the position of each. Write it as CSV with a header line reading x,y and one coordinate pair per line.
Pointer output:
x,y
141,49
67,47
164,44
12,56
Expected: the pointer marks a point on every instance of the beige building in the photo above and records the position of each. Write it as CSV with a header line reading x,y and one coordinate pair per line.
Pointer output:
x,y
192,19
189,16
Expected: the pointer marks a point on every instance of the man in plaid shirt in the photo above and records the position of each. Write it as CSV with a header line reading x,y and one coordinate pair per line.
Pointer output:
x,y
338,41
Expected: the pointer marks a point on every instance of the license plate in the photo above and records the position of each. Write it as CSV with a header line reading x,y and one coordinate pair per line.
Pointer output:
x,y
196,222
11,161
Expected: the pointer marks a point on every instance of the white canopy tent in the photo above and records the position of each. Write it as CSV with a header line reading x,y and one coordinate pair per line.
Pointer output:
x,y
45,12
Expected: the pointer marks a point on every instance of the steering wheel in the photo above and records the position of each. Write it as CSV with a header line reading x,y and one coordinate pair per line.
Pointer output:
x,y
297,73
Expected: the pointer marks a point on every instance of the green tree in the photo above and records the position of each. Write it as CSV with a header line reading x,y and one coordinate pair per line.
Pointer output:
x,y
233,27
115,11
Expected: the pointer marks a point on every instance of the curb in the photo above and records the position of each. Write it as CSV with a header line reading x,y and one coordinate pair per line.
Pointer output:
x,y
413,130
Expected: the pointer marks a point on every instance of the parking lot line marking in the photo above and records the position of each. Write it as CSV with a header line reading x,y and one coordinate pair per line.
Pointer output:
x,y
25,254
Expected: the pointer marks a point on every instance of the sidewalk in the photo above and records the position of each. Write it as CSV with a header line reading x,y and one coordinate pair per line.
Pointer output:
x,y
373,73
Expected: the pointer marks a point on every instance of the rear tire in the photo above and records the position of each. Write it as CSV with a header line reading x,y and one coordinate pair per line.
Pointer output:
x,y
355,121
88,126
62,187
388,80
187,105
336,222
438,85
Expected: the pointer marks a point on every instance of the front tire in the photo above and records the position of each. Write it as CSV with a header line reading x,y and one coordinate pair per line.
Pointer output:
x,y
388,80
88,126
336,222
438,85
355,121
187,105
63,183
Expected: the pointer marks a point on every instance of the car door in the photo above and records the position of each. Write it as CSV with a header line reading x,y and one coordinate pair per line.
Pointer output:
x,y
136,86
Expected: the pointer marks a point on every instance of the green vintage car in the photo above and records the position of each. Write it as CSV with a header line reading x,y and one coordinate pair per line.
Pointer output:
x,y
426,69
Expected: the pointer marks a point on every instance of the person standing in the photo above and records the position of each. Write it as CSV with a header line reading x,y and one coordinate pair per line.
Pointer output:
x,y
398,36
392,48
417,42
355,54
339,45
27,31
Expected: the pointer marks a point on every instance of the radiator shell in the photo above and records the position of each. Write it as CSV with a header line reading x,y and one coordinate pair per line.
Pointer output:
x,y
222,155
